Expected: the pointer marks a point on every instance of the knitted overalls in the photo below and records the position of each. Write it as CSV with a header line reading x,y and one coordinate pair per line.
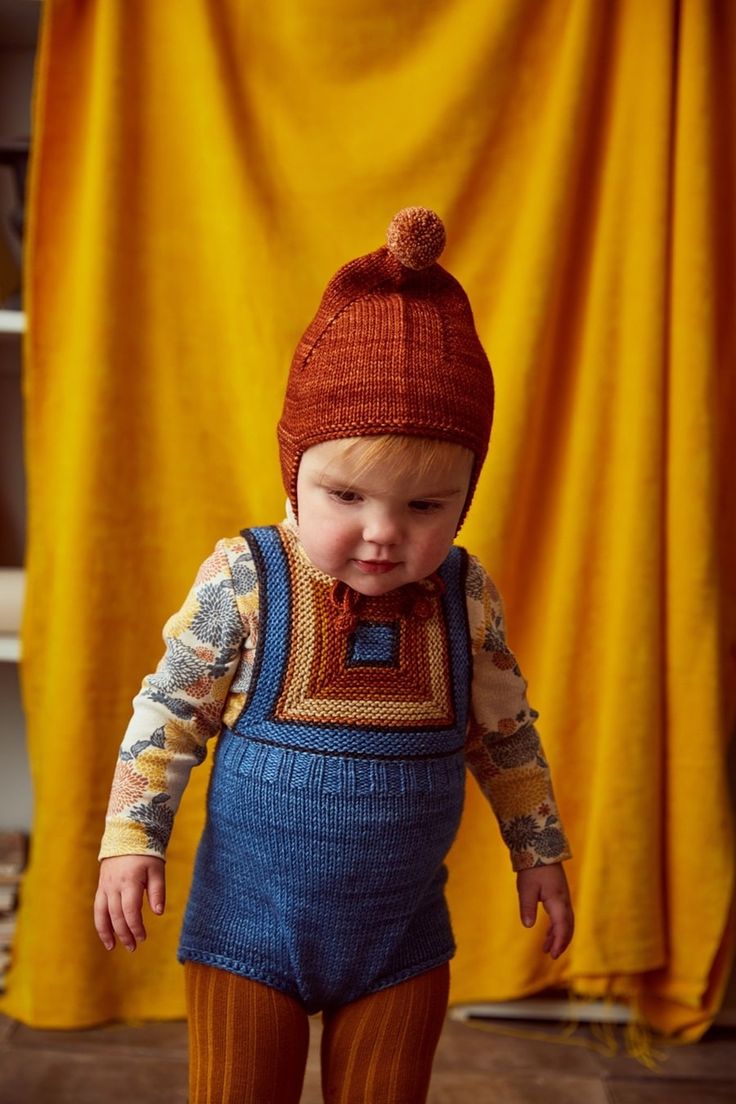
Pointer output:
x,y
336,795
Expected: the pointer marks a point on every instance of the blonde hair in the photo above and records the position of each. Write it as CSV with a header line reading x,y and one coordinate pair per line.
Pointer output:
x,y
399,453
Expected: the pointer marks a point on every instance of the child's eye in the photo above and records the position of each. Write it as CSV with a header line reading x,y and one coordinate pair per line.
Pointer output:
x,y
422,506
344,496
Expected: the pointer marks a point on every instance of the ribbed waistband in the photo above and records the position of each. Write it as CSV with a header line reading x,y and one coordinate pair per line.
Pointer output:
x,y
329,772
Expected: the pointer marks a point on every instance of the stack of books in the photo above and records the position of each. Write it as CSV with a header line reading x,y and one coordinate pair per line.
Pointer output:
x,y
13,848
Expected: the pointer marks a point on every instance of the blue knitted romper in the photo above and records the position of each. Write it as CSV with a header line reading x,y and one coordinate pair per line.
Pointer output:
x,y
336,795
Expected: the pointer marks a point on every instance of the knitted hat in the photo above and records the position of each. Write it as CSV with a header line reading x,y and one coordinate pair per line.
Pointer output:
x,y
392,349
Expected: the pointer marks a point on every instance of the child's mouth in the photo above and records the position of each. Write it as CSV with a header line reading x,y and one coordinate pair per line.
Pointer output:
x,y
375,567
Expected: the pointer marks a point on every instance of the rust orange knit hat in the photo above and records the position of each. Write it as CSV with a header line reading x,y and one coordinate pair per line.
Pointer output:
x,y
392,349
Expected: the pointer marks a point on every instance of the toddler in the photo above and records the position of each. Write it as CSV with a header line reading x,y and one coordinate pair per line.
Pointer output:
x,y
352,661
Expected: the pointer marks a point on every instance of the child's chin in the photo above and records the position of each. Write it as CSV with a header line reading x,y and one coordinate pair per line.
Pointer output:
x,y
372,586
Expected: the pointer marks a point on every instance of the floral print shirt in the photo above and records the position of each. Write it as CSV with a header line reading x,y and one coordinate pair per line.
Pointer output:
x,y
202,682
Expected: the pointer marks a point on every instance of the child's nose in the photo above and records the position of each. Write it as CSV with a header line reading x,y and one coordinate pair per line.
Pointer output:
x,y
381,527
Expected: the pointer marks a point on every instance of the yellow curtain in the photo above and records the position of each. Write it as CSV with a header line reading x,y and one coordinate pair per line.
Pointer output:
x,y
200,170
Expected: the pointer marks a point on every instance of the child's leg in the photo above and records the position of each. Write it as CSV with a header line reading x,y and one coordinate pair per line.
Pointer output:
x,y
247,1042
380,1048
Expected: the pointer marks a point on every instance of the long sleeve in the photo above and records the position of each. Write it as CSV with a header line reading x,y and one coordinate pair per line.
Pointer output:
x,y
203,674
503,749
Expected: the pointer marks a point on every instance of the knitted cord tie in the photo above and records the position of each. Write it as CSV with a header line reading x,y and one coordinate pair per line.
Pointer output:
x,y
346,602
415,600
422,597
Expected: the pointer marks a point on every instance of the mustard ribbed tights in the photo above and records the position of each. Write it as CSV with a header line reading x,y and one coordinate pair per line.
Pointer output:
x,y
248,1042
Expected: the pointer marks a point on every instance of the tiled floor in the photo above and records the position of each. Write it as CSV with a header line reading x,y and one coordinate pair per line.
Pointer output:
x,y
485,1064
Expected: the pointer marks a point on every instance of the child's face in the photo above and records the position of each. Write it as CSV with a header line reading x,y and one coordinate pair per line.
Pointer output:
x,y
380,529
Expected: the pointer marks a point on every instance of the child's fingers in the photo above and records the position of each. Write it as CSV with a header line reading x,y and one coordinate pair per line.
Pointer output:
x,y
528,897
561,926
102,920
118,921
118,907
132,901
555,942
122,909
157,888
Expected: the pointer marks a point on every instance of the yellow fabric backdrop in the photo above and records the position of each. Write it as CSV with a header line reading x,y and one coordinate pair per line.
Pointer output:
x,y
200,170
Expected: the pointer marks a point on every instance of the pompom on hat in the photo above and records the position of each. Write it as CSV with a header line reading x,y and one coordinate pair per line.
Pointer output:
x,y
392,349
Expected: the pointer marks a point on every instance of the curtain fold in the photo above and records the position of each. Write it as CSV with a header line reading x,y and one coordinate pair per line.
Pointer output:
x,y
199,172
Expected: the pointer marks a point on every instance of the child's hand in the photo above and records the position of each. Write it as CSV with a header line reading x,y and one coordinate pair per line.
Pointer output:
x,y
547,884
119,897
